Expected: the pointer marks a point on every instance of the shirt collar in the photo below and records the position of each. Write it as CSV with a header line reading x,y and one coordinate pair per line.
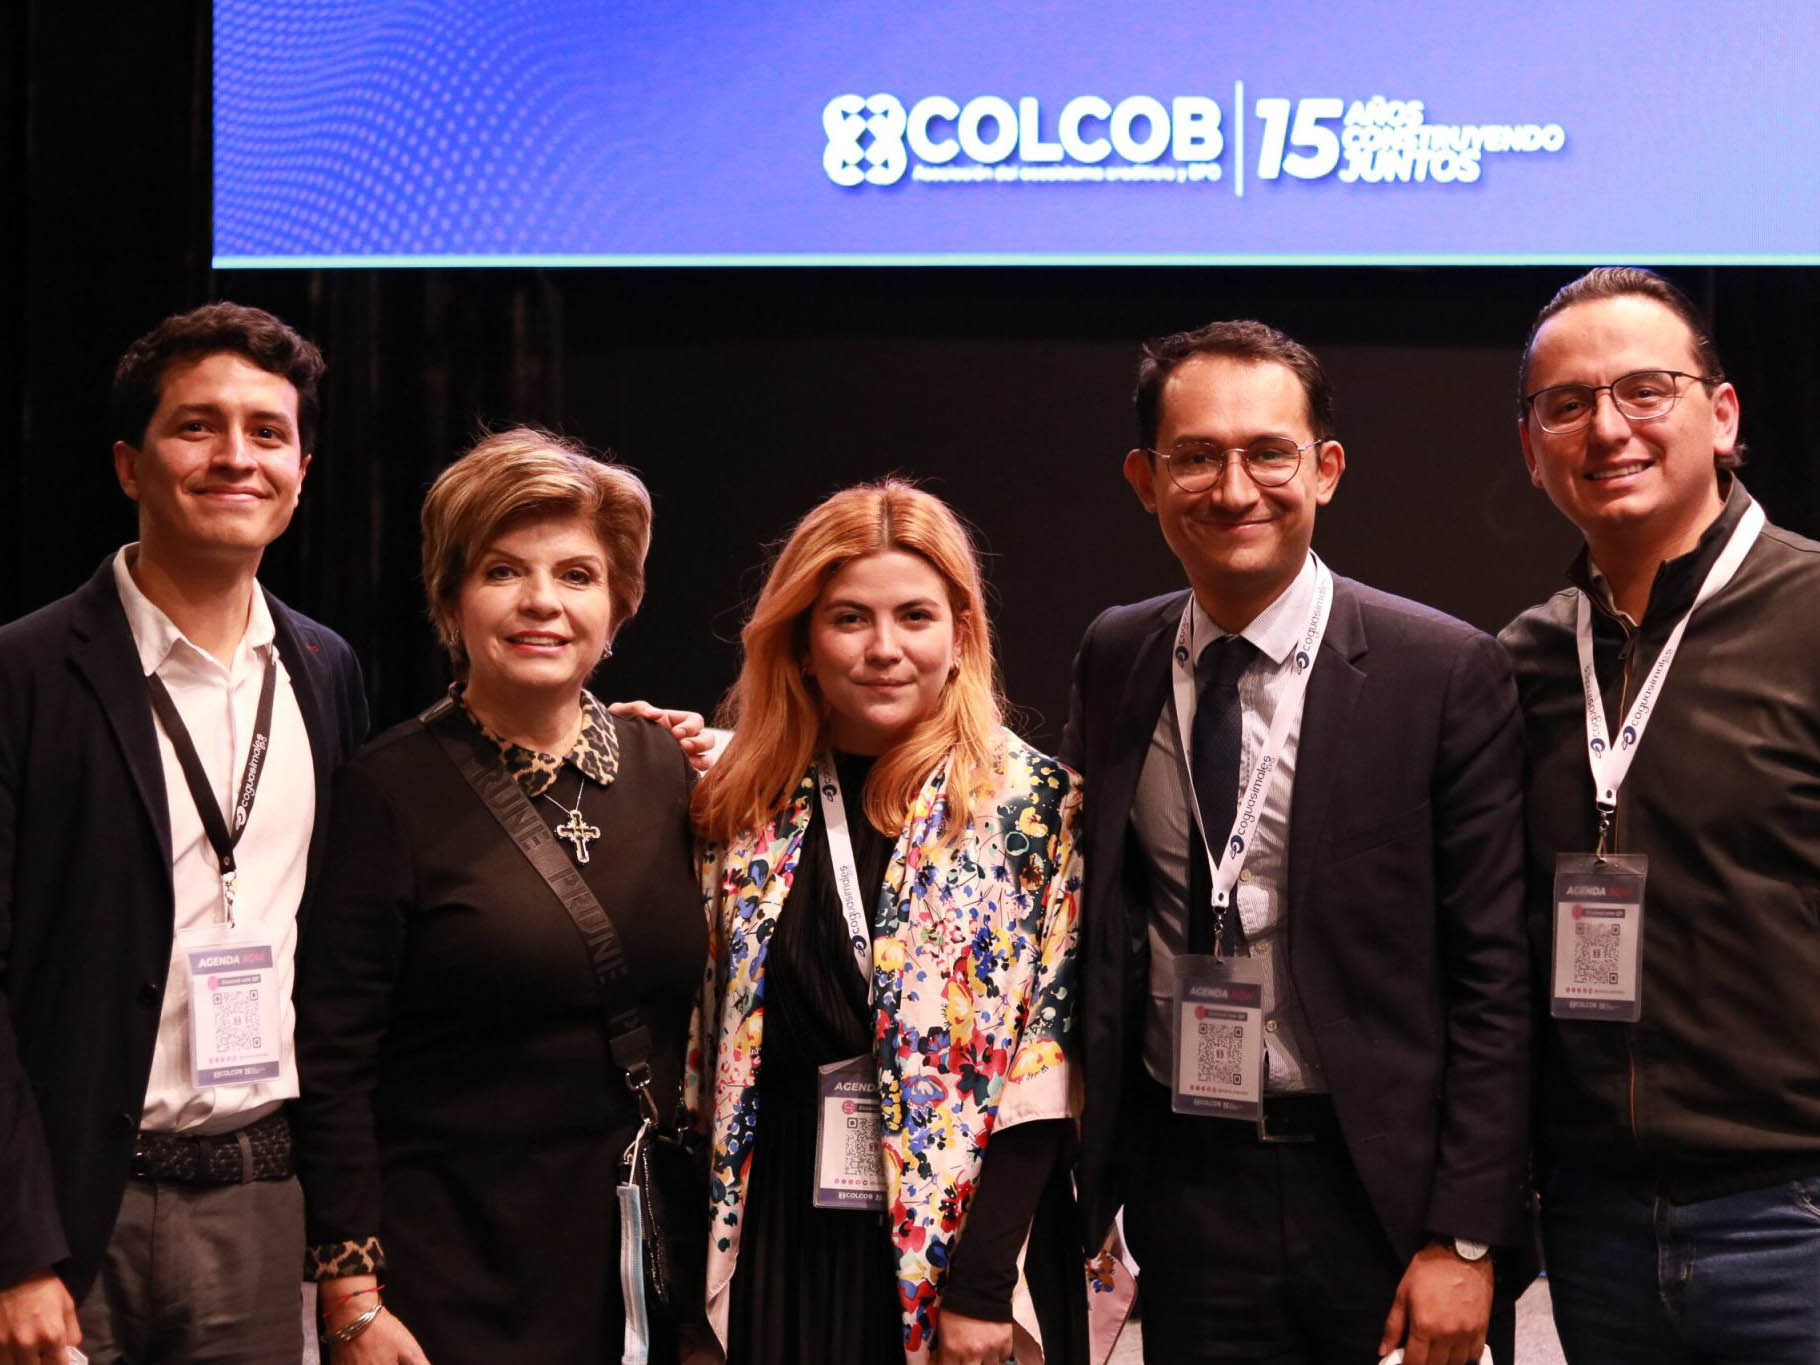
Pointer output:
x,y
595,753
1277,629
155,635
1678,580
1599,586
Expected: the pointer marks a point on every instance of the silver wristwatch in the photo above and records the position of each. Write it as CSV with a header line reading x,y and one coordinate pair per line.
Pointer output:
x,y
1468,1250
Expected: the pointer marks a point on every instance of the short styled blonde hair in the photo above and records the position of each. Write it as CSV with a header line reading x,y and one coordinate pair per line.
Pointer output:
x,y
519,474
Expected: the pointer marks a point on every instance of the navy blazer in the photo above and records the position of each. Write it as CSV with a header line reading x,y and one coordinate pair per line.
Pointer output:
x,y
86,906
1403,906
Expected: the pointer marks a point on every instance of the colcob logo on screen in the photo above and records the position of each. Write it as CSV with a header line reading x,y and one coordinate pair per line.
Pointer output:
x,y
877,140
874,140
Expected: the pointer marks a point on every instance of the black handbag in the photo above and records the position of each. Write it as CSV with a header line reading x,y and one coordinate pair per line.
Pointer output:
x,y
666,1162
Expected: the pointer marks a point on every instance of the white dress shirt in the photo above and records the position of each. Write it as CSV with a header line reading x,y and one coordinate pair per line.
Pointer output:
x,y
1162,820
218,706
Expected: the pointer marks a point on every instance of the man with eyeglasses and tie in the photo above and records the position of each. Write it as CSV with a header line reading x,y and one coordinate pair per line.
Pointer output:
x,y
1671,706
1306,1005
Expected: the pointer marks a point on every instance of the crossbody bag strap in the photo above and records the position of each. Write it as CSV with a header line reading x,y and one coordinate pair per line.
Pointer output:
x,y
627,1035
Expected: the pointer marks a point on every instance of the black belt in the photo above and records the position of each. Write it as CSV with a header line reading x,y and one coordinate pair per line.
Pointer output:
x,y
1292,1118
259,1151
1287,1118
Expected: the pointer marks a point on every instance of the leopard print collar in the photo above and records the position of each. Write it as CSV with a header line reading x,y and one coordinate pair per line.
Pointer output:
x,y
595,753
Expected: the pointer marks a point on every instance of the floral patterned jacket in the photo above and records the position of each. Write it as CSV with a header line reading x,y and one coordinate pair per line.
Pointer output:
x,y
974,969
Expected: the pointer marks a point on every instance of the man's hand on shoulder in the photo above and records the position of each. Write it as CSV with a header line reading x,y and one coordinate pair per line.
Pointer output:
x,y
1443,1307
37,1321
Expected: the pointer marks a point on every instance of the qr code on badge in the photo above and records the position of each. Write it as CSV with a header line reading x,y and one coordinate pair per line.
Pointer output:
x,y
1595,954
862,1145
237,1020
1220,1054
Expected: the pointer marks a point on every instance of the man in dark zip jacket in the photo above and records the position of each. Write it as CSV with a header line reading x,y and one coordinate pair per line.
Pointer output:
x,y
1673,813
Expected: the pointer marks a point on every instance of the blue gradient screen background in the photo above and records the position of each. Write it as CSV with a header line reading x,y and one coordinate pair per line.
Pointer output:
x,y
450,132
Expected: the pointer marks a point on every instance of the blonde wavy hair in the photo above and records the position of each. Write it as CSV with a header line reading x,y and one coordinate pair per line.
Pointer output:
x,y
778,715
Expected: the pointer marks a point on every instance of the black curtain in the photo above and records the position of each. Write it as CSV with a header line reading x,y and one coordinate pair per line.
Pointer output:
x,y
743,396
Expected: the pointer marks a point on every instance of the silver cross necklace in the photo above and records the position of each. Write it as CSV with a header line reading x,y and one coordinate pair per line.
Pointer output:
x,y
576,828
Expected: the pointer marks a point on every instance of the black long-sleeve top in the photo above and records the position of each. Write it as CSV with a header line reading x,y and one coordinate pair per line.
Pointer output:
x,y
459,1102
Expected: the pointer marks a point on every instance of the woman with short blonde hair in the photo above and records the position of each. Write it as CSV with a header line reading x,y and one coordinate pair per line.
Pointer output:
x,y
893,876
524,472
465,1102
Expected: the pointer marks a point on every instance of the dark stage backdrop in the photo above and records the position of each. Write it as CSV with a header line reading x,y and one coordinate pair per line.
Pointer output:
x,y
745,396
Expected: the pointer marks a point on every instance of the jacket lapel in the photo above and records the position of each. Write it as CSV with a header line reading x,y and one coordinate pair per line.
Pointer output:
x,y
103,652
301,653
1114,783
1333,692
1146,693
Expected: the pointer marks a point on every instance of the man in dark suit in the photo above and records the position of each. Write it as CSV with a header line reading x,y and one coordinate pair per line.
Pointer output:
x,y
146,940
1306,1059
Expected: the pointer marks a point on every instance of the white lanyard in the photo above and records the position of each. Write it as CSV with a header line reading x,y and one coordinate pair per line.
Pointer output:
x,y
1610,762
846,869
1225,871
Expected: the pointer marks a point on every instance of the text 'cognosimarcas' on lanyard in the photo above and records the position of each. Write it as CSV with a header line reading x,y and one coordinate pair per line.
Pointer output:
x,y
222,838
1225,871
846,869
1611,761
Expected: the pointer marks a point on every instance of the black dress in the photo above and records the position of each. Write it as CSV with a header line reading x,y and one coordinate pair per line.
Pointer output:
x,y
458,1098
819,1286
815,1286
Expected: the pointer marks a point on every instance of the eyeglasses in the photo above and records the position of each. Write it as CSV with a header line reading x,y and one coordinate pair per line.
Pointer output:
x,y
1645,396
1271,462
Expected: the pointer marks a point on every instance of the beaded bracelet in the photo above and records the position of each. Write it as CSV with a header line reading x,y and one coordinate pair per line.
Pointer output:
x,y
342,1335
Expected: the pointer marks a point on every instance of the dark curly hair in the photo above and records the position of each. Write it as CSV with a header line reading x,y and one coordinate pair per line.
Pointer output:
x,y
212,328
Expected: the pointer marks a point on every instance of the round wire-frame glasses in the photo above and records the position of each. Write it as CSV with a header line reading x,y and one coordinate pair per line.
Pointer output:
x,y
1269,461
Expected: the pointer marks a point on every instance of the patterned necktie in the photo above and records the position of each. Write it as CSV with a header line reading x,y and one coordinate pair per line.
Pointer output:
x,y
1215,746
